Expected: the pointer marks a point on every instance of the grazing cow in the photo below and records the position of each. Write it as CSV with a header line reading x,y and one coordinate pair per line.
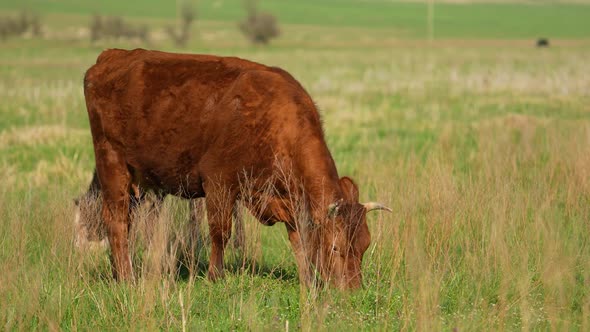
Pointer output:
x,y
89,228
223,128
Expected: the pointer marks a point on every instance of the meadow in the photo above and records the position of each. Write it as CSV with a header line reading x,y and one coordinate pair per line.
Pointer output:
x,y
479,141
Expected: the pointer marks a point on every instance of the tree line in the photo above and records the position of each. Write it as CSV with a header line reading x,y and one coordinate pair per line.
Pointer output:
x,y
258,27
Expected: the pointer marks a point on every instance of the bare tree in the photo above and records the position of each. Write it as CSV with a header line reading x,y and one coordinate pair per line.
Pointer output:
x,y
259,27
25,22
103,27
187,15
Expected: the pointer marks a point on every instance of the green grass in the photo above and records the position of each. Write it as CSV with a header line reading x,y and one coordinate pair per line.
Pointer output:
x,y
481,149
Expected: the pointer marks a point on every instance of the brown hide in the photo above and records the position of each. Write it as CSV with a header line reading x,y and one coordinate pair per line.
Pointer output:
x,y
199,125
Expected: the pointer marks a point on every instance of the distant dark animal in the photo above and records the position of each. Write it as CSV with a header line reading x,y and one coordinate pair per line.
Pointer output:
x,y
542,42
226,129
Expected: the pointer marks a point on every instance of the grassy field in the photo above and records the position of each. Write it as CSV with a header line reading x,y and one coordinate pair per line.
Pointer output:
x,y
479,141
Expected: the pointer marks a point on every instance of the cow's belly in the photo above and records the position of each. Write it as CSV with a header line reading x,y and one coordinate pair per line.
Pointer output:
x,y
161,179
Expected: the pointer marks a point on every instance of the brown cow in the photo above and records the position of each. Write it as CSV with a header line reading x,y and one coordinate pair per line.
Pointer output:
x,y
228,129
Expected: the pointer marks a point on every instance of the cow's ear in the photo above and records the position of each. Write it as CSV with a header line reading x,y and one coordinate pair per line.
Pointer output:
x,y
349,189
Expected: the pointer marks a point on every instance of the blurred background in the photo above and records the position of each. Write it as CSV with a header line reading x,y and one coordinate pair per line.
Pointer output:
x,y
231,24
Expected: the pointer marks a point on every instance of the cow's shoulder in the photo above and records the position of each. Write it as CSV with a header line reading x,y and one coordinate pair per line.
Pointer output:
x,y
112,54
111,65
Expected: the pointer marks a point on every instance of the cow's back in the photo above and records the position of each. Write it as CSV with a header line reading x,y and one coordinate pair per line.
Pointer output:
x,y
179,116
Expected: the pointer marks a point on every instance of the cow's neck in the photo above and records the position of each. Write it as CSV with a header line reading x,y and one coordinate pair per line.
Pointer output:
x,y
320,179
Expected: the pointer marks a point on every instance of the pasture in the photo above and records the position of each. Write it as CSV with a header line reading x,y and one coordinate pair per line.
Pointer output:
x,y
479,141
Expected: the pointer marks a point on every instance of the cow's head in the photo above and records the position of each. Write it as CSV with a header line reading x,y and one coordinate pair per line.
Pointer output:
x,y
88,226
345,238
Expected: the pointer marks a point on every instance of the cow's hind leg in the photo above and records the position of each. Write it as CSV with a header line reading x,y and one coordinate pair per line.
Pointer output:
x,y
197,213
115,180
239,240
220,204
152,213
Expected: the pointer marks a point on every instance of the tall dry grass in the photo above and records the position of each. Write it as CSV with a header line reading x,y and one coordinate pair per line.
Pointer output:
x,y
500,245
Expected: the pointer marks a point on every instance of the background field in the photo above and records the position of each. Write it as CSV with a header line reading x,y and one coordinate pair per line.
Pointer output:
x,y
478,140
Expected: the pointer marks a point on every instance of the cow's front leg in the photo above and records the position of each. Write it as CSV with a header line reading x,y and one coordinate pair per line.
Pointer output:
x,y
219,213
303,264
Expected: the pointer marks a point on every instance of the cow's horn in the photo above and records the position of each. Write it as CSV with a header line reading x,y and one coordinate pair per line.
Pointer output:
x,y
370,206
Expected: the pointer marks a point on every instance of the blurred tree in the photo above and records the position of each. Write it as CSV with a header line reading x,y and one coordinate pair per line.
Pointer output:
x,y
187,14
25,22
115,27
259,27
